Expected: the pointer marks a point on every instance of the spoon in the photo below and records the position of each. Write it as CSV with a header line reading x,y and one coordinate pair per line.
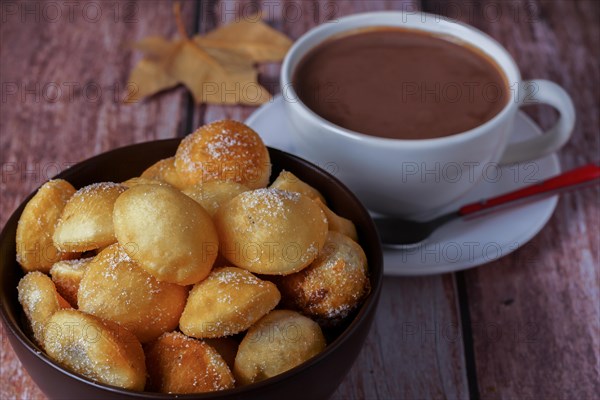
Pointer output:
x,y
404,234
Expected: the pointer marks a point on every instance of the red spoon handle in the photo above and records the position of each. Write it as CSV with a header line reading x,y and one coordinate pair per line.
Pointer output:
x,y
586,174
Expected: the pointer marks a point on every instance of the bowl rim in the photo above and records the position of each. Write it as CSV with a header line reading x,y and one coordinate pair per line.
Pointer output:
x,y
369,305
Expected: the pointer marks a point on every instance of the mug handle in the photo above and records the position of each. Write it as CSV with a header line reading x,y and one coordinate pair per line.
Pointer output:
x,y
546,92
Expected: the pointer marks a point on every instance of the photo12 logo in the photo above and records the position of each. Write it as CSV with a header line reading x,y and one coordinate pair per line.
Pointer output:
x,y
35,92
454,252
451,332
473,12
70,11
469,171
35,172
288,11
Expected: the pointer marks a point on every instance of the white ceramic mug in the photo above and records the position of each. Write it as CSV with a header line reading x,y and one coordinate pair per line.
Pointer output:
x,y
381,171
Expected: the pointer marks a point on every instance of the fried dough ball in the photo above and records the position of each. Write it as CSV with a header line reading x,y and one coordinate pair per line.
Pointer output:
x,y
86,221
170,235
290,182
143,181
271,231
212,195
224,151
229,301
179,364
35,249
67,274
337,223
280,341
226,347
40,300
164,171
333,285
116,288
100,350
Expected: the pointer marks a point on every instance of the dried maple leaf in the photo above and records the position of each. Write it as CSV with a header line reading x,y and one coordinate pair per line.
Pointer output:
x,y
250,37
217,77
217,68
150,75
157,47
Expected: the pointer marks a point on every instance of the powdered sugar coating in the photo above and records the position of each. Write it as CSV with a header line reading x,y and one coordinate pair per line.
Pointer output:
x,y
229,301
40,301
224,150
290,182
116,288
269,204
179,364
98,187
271,231
333,285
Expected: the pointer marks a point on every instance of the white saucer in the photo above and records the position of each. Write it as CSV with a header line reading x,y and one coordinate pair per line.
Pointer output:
x,y
460,244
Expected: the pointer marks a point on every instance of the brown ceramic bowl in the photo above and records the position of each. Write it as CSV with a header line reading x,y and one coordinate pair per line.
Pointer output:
x,y
315,379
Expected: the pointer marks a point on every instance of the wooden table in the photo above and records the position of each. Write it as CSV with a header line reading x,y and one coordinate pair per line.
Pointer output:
x,y
524,327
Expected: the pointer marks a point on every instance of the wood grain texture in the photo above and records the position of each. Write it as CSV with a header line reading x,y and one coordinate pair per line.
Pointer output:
x,y
536,313
63,81
45,126
415,348
534,316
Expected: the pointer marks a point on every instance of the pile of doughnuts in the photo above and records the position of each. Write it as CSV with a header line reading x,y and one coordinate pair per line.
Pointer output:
x,y
195,276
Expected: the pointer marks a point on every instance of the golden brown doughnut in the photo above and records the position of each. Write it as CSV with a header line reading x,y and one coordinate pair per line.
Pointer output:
x,y
143,181
40,300
179,364
170,235
278,342
116,288
67,274
229,301
290,182
333,285
212,195
100,350
35,248
337,223
164,171
224,150
271,231
86,221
